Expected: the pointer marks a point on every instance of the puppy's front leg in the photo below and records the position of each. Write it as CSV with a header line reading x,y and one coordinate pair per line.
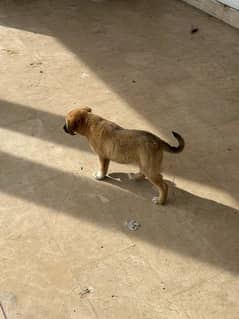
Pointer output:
x,y
104,165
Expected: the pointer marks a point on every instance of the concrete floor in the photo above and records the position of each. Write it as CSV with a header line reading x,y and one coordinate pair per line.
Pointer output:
x,y
137,63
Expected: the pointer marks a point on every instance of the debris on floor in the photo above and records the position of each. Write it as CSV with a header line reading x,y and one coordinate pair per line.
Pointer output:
x,y
35,64
133,225
194,30
9,51
86,291
84,75
103,199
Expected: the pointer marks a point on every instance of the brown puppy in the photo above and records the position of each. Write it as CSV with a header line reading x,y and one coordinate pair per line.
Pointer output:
x,y
114,143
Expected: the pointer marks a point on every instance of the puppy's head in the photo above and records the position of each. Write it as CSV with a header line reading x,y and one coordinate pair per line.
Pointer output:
x,y
76,120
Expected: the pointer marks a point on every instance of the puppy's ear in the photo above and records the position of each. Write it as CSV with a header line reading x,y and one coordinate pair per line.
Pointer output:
x,y
87,109
78,122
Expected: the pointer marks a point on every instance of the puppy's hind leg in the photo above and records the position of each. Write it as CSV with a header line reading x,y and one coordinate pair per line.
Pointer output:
x,y
157,180
104,165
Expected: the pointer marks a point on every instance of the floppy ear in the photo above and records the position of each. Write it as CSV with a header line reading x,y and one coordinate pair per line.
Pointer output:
x,y
87,109
78,122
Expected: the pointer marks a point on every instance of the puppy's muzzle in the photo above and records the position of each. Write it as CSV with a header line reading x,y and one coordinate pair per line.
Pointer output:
x,y
67,130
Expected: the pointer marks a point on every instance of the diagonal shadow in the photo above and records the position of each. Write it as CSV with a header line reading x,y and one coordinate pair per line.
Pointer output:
x,y
206,221
38,124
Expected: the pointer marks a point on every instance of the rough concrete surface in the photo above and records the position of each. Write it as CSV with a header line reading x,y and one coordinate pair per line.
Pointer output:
x,y
65,248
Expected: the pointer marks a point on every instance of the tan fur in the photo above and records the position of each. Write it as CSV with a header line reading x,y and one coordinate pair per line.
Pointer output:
x,y
114,143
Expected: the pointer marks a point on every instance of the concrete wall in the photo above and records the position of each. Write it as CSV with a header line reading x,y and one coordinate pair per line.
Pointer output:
x,y
217,9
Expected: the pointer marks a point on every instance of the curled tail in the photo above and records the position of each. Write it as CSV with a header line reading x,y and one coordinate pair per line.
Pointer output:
x,y
174,149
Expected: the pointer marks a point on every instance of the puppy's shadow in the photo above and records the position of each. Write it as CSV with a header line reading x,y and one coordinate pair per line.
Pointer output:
x,y
142,187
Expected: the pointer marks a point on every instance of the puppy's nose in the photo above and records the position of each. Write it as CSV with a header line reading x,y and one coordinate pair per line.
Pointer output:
x,y
64,128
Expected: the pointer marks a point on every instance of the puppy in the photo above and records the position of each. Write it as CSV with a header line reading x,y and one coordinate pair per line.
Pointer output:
x,y
114,143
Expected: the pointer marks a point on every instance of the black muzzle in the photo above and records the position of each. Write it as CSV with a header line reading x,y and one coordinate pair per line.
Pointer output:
x,y
67,130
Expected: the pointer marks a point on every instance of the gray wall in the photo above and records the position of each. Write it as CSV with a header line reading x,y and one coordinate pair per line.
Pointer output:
x,y
218,9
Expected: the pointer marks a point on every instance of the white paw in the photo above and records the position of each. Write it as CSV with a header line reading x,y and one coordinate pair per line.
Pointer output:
x,y
156,200
99,176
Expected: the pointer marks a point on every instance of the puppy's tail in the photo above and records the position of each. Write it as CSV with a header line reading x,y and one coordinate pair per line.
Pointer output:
x,y
174,149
